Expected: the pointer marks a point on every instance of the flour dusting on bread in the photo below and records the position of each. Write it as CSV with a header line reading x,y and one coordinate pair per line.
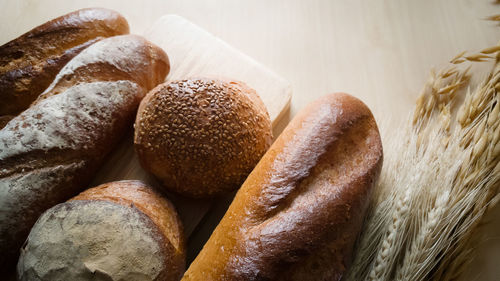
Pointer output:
x,y
94,239
50,151
70,119
127,54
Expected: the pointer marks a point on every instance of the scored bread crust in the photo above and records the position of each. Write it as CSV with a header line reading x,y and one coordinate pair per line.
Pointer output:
x,y
29,63
50,151
201,136
298,214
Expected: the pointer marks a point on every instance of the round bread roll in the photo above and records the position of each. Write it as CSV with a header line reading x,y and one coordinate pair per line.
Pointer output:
x,y
202,137
117,231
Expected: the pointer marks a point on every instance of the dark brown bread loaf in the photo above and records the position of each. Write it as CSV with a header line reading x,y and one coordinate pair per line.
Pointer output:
x,y
117,231
50,151
202,137
298,214
29,63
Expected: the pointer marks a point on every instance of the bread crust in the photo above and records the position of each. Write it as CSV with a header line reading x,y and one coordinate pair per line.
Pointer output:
x,y
201,136
93,240
160,211
50,151
303,202
120,230
29,63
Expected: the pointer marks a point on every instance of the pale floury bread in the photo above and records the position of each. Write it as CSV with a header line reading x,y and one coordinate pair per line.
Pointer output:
x,y
202,136
117,231
50,151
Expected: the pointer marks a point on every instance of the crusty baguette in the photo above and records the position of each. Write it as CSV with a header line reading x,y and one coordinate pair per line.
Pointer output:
x,y
124,231
297,215
29,63
50,151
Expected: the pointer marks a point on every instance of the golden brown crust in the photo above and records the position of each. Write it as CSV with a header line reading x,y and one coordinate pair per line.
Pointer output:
x,y
201,137
4,120
161,212
96,66
29,63
298,213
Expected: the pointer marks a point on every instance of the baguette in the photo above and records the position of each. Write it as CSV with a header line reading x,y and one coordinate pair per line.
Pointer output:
x,y
121,230
50,151
29,63
297,215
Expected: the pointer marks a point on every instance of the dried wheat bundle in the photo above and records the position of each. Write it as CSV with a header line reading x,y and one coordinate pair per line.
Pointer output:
x,y
440,175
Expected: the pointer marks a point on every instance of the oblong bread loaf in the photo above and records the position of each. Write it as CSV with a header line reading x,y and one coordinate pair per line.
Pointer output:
x,y
297,215
29,63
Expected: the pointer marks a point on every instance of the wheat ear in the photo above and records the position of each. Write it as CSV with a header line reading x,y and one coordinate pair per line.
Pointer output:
x,y
439,177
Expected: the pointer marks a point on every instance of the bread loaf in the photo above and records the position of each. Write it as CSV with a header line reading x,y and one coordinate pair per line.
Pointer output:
x,y
117,231
297,215
29,63
201,136
50,151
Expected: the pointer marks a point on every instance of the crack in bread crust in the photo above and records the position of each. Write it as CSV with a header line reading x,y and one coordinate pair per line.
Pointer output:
x,y
29,63
308,193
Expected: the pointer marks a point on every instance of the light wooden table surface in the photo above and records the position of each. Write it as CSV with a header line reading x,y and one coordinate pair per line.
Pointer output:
x,y
379,51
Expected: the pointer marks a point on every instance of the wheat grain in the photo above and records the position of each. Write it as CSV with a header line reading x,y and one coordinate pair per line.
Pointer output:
x,y
457,57
494,18
491,50
477,57
413,263
381,268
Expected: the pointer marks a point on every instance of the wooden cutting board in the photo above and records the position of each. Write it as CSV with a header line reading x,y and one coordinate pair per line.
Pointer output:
x,y
194,52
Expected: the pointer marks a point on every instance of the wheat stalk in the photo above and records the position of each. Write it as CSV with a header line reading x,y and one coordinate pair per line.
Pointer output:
x,y
387,224
438,180
480,172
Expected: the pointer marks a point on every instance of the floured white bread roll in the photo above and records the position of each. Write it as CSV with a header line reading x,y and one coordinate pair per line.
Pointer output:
x,y
116,231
